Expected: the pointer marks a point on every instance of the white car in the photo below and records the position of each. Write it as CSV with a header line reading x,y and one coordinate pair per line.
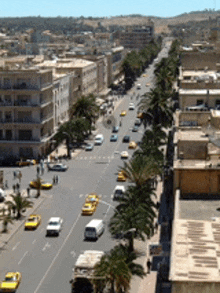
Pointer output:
x,y
99,139
138,86
54,226
131,106
124,155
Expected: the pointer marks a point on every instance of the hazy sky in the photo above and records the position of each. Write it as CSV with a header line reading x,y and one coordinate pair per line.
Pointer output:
x,y
75,8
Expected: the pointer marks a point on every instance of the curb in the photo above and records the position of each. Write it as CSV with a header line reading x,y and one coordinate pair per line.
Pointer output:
x,y
2,244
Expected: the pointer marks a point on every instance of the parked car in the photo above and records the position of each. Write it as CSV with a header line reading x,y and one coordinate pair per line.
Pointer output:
x,y
58,167
123,113
132,145
54,226
137,122
114,137
138,86
126,138
89,147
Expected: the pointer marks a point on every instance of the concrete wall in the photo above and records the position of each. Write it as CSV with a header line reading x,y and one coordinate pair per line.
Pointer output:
x,y
186,100
197,181
202,118
195,287
198,60
192,150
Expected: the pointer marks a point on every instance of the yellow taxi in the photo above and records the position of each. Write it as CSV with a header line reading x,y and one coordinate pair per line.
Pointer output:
x,y
132,145
92,198
11,282
121,176
88,208
144,75
140,115
33,184
123,113
22,163
32,222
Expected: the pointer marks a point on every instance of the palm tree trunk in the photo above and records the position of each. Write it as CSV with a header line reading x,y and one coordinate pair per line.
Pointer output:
x,y
68,148
112,289
18,214
131,243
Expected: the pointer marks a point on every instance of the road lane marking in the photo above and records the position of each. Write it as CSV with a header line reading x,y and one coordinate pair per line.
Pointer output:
x,y
61,247
41,230
22,258
16,245
34,241
47,245
81,195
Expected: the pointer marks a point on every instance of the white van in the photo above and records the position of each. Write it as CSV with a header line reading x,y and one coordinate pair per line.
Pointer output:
x,y
118,192
99,139
94,229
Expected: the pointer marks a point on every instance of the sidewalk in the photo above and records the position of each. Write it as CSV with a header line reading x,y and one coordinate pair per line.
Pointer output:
x,y
13,228
149,282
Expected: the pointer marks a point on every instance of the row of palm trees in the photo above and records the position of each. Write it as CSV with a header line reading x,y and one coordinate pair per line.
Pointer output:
x,y
135,214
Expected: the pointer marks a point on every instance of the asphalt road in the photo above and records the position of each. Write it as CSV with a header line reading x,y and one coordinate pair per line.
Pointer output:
x,y
46,262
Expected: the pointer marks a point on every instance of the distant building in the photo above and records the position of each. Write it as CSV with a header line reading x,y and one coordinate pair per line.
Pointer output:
x,y
137,37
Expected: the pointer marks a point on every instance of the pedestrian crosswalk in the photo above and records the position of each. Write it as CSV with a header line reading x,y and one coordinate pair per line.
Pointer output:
x,y
101,196
88,158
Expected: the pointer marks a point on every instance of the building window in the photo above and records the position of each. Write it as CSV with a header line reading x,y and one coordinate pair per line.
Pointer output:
x,y
8,135
25,135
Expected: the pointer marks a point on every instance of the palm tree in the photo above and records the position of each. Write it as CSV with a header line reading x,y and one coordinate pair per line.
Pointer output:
x,y
134,216
140,169
38,184
6,219
87,108
113,271
19,203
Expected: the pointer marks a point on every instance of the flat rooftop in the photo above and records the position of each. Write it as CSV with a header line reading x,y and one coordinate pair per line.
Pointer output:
x,y
195,253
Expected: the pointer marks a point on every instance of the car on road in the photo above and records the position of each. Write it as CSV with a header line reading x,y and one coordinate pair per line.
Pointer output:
x,y
54,226
124,155
138,86
89,147
121,176
92,198
22,163
118,192
126,138
144,75
58,167
32,222
123,113
11,282
114,137
131,106
46,186
88,209
99,139
135,128
132,145
115,129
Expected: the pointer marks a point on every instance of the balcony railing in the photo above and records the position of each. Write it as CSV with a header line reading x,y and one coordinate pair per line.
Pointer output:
x,y
8,139
20,120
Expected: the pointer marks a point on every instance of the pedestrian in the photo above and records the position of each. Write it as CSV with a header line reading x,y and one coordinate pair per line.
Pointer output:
x,y
13,209
17,186
38,170
28,192
19,176
54,179
57,179
149,264
14,187
15,174
158,205
42,170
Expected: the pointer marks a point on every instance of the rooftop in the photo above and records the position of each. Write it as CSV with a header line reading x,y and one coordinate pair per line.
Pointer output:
x,y
195,253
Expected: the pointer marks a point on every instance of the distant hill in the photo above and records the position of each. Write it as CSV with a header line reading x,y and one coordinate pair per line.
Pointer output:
x,y
82,23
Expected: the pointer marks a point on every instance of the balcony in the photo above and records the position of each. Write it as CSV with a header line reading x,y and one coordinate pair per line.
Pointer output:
x,y
25,104
17,140
25,120
25,86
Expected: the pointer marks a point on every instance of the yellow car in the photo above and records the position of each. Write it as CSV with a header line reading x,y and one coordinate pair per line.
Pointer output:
x,y
26,163
123,113
121,176
33,184
32,222
144,75
140,115
88,208
132,145
92,198
11,282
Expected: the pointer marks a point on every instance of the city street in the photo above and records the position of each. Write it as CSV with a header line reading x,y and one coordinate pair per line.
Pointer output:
x,y
46,262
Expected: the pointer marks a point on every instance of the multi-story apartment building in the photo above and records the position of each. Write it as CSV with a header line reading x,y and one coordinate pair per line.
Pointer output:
x,y
137,37
26,112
